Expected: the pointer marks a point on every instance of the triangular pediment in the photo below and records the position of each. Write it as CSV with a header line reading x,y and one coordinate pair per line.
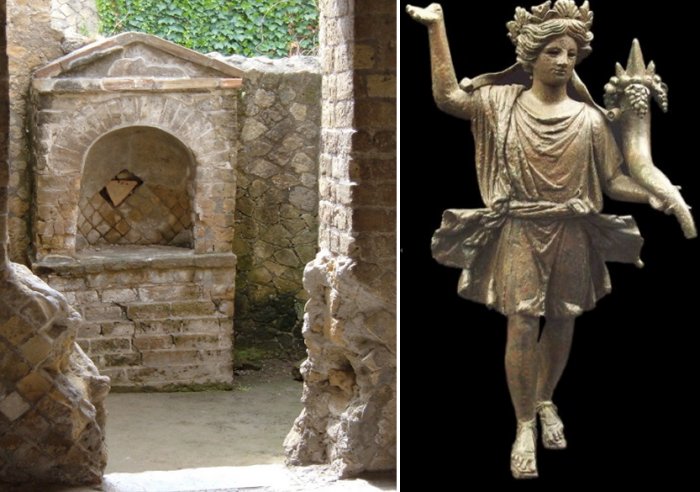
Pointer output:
x,y
134,54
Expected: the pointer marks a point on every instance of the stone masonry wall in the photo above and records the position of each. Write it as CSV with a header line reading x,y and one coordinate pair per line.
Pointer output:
x,y
75,16
31,42
349,416
155,319
373,158
277,196
277,202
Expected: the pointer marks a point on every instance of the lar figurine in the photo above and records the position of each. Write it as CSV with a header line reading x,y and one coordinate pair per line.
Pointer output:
x,y
545,154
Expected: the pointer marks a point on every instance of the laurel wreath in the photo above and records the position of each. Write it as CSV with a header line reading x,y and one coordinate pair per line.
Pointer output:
x,y
563,9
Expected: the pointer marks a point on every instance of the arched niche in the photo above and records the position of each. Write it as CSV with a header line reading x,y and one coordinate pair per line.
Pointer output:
x,y
137,188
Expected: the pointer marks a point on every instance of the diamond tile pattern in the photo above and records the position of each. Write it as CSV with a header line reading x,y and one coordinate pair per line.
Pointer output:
x,y
153,214
51,412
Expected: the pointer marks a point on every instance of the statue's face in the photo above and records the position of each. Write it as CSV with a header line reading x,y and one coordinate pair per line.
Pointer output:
x,y
555,63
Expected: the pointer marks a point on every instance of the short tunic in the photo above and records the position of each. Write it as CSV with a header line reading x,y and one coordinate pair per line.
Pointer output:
x,y
541,246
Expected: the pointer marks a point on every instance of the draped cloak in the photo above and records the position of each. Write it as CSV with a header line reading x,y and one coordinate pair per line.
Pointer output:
x,y
541,245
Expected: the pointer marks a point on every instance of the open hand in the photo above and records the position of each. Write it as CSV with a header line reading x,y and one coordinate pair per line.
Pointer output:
x,y
427,16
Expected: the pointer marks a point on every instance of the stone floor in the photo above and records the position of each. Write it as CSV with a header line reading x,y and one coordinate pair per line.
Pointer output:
x,y
219,441
170,431
256,478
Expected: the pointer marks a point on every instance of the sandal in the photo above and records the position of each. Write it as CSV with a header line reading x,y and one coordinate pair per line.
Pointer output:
x,y
551,425
523,462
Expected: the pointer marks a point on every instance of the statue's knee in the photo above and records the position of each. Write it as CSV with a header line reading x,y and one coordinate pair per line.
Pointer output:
x,y
523,325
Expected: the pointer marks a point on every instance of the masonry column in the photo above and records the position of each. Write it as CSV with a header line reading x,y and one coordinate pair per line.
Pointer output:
x,y
31,42
52,416
4,121
349,418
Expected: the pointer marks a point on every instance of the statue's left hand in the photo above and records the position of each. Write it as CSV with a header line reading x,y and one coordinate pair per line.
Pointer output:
x,y
660,204
578,206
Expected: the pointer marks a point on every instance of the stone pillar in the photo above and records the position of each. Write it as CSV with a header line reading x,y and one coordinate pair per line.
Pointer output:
x,y
349,417
51,413
31,42
4,130
52,416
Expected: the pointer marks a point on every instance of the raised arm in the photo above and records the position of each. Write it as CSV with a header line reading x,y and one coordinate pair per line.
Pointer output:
x,y
448,96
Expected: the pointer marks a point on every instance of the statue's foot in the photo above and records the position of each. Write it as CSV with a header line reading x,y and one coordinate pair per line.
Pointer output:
x,y
523,462
551,425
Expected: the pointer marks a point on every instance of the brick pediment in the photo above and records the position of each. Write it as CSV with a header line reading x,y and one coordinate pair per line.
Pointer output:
x,y
134,54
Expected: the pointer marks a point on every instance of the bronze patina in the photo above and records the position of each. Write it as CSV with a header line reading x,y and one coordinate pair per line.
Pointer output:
x,y
545,155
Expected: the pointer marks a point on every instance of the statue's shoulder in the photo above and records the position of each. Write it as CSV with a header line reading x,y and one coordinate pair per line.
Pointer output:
x,y
597,118
499,97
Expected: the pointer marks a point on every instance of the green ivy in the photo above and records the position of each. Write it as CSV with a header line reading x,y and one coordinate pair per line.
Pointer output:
x,y
273,28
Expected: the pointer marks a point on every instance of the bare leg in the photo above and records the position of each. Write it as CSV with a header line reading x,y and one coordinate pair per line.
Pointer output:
x,y
553,353
521,372
521,364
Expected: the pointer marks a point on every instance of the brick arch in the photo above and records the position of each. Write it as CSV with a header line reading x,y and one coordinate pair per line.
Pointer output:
x,y
61,160
168,114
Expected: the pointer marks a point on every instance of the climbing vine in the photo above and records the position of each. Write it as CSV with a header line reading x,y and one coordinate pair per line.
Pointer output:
x,y
247,27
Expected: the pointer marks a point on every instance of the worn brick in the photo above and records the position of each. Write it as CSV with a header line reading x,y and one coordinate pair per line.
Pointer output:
x,y
372,113
369,24
378,195
148,311
117,329
200,341
159,358
107,280
151,342
204,325
381,86
122,359
169,292
89,330
153,327
102,312
110,345
158,276
85,297
66,284
119,295
364,56
216,356
374,219
192,309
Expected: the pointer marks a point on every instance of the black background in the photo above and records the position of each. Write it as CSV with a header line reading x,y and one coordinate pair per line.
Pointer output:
x,y
627,396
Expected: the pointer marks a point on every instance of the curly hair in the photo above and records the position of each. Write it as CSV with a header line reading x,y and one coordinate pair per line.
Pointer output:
x,y
534,37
